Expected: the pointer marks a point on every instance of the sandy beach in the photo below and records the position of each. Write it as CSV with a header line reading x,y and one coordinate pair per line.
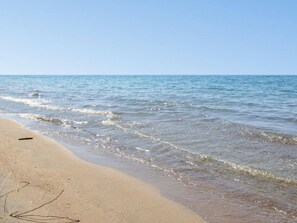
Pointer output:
x,y
41,181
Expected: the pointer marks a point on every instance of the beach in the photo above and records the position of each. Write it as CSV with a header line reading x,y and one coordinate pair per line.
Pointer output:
x,y
148,112
50,184
223,143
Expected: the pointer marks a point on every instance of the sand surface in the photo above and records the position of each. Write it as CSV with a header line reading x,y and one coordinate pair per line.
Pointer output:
x,y
45,182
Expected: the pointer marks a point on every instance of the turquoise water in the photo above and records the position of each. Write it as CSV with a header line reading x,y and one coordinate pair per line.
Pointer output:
x,y
237,134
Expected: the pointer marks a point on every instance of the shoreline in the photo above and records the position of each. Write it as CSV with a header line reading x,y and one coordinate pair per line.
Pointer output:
x,y
79,190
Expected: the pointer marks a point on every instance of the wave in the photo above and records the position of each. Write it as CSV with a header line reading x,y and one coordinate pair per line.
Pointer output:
x,y
207,159
42,103
110,122
256,132
37,103
288,118
213,109
236,167
142,149
58,121
193,158
43,118
114,123
272,137
257,172
108,114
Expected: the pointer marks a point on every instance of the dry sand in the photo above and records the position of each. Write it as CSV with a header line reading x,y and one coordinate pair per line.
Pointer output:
x,y
91,193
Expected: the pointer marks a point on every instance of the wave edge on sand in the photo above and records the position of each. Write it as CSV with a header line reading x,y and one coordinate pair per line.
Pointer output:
x,y
92,193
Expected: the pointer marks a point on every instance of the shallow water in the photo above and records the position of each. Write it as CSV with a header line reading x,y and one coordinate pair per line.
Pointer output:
x,y
232,138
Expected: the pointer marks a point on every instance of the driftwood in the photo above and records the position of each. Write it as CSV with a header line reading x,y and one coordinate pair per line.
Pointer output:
x,y
27,138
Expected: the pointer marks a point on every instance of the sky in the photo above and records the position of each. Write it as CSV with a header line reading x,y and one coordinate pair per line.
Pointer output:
x,y
148,37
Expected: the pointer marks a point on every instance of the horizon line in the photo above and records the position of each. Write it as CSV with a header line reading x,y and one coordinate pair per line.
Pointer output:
x,y
139,74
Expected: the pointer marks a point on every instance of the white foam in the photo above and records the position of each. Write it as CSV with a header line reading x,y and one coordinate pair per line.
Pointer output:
x,y
142,149
65,122
108,114
112,123
44,118
138,133
37,103
80,122
257,172
42,103
143,135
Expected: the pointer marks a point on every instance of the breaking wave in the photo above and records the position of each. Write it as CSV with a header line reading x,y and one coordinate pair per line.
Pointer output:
x,y
37,103
57,121
108,114
272,137
42,103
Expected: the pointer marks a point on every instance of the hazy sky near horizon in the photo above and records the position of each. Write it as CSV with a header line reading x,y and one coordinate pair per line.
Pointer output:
x,y
148,37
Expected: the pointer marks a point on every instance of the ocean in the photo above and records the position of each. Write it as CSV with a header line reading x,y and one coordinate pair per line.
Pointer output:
x,y
230,142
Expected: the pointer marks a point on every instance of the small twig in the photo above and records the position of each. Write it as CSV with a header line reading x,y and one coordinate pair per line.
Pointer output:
x,y
26,216
47,218
26,183
34,209
4,181
9,192
41,218
13,213
5,202
16,190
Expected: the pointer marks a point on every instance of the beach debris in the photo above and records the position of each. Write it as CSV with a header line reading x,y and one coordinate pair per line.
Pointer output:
x,y
29,215
27,138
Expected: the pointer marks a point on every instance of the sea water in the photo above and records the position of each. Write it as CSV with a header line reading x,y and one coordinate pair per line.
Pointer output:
x,y
232,137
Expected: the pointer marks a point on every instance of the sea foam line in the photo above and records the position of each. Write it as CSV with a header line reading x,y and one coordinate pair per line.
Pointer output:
x,y
65,122
241,168
42,103
257,172
37,103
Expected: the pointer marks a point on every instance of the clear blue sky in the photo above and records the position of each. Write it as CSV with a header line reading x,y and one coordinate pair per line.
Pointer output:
x,y
148,37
